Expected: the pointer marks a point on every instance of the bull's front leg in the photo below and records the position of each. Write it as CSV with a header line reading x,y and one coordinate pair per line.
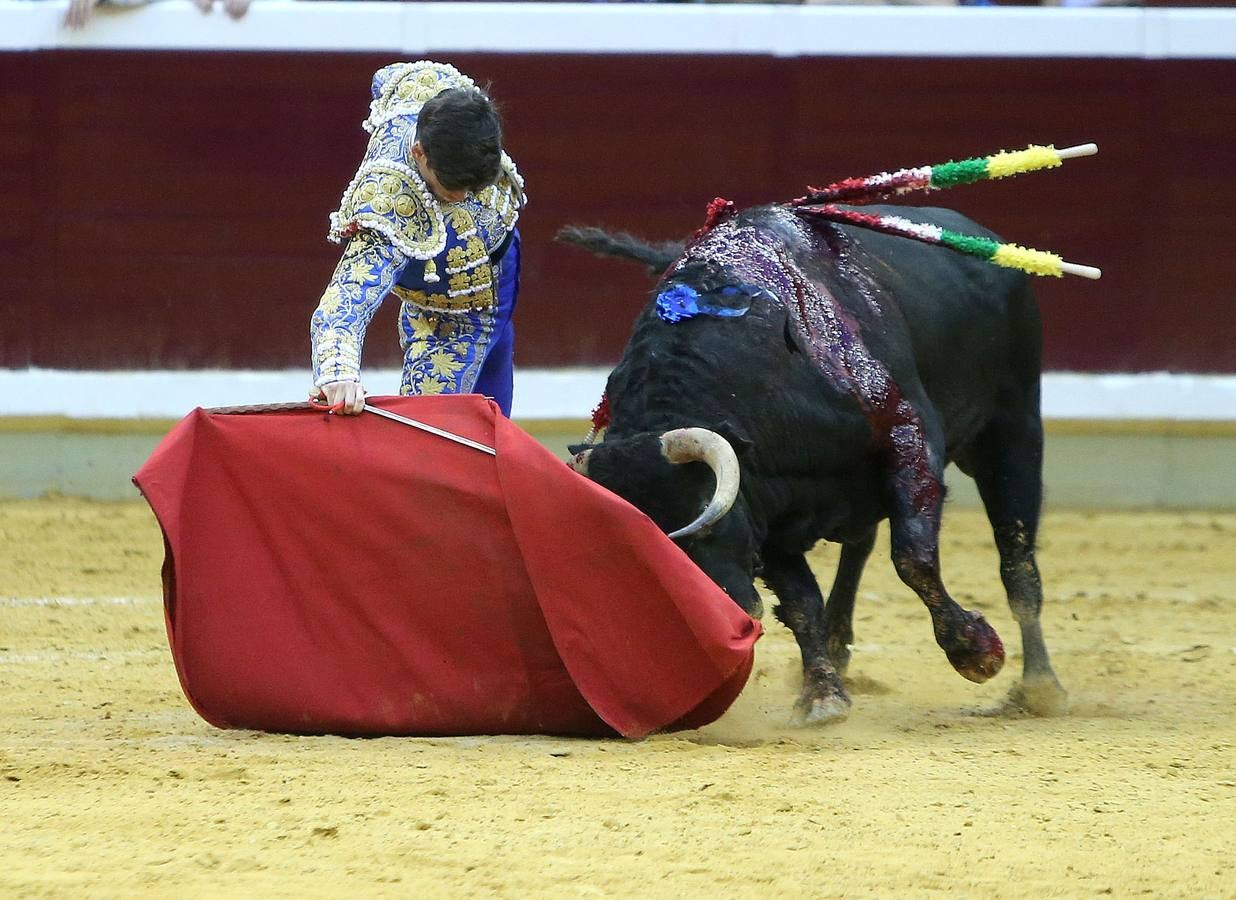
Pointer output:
x,y
969,642
971,645
839,610
800,607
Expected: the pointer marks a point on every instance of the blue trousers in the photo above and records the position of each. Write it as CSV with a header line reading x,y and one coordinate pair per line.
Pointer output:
x,y
498,370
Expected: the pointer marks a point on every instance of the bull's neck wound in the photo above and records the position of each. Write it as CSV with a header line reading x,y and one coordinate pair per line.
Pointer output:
x,y
758,255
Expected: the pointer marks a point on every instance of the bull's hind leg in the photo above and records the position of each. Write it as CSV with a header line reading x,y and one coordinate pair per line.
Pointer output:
x,y
1006,462
800,606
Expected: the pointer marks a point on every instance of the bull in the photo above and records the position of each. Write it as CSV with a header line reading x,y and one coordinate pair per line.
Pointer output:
x,y
794,380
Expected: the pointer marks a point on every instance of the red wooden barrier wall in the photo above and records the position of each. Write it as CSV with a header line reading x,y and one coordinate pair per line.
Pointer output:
x,y
167,209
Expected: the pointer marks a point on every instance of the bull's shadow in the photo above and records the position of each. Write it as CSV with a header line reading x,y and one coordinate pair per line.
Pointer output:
x,y
793,380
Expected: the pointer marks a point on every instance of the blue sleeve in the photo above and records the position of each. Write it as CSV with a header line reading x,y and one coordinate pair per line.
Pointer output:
x,y
368,269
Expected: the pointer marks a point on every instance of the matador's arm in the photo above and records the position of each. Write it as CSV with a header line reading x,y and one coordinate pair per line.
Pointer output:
x,y
368,269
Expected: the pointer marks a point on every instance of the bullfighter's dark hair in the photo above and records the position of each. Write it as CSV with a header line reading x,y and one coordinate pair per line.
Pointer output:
x,y
460,131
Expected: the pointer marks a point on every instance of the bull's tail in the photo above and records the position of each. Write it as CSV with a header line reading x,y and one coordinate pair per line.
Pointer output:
x,y
622,245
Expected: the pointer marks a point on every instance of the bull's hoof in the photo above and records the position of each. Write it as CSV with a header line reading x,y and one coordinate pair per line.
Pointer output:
x,y
820,710
1039,697
974,649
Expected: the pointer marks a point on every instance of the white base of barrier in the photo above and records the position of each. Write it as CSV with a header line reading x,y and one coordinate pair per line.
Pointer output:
x,y
544,393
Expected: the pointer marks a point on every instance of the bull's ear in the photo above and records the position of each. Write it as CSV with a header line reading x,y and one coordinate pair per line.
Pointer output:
x,y
579,448
737,436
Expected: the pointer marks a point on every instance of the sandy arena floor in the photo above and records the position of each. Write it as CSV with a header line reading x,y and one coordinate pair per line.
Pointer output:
x,y
111,786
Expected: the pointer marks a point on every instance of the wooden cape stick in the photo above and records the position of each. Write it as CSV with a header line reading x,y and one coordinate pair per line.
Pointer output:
x,y
450,436
376,410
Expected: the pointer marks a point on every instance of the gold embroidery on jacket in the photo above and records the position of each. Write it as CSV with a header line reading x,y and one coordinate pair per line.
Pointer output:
x,y
465,293
392,200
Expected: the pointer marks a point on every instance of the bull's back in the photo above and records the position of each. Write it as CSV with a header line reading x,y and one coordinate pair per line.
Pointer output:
x,y
969,331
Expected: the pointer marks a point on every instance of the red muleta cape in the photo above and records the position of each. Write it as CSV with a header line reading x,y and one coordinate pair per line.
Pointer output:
x,y
352,575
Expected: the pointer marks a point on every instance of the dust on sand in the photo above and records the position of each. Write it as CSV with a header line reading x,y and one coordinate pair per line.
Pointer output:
x,y
110,784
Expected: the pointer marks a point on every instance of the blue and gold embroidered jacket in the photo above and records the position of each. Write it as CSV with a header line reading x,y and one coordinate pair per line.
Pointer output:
x,y
434,256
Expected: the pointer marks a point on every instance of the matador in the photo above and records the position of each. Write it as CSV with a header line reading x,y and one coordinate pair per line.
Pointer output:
x,y
429,216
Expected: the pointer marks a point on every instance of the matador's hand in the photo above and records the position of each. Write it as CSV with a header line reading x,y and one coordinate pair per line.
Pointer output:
x,y
350,393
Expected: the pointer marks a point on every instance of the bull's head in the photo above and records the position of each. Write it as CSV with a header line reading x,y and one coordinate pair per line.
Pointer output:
x,y
684,445
691,476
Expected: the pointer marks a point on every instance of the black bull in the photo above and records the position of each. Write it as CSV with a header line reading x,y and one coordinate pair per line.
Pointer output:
x,y
864,364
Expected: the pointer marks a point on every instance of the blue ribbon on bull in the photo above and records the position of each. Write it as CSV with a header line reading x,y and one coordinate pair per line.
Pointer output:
x,y
681,301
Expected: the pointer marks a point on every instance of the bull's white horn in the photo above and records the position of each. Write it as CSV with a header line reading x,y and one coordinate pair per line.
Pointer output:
x,y
579,462
701,445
